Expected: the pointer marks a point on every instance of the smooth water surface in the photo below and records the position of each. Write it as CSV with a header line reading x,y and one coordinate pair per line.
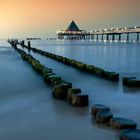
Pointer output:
x,y
27,109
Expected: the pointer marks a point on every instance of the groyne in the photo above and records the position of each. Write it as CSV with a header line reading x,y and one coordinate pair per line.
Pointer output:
x,y
111,76
61,89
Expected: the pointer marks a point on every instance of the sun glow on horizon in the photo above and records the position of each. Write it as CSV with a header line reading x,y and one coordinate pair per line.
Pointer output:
x,y
44,17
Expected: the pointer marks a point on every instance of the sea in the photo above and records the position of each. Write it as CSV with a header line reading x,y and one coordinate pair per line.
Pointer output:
x,y
27,109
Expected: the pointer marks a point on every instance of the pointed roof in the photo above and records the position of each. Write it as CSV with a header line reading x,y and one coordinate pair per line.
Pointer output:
x,y
73,27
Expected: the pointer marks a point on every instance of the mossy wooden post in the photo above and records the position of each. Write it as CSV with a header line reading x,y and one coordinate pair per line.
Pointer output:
x,y
60,91
79,100
98,107
22,43
130,134
29,44
72,91
122,123
103,117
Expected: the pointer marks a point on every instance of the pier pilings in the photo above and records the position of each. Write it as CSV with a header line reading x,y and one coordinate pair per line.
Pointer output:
x,y
107,37
138,38
120,37
110,34
128,37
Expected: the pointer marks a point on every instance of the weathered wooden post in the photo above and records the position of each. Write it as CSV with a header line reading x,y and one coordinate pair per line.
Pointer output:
x,y
15,44
137,37
29,44
22,43
97,37
83,37
102,37
127,36
120,37
59,36
92,37
107,37
89,37
113,37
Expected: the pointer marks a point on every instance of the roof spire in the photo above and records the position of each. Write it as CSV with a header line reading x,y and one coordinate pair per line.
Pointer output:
x,y
73,26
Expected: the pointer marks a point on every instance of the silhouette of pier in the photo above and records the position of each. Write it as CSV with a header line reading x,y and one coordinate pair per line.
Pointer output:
x,y
73,32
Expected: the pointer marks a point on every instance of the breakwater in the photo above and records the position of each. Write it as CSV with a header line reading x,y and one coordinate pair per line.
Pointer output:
x,y
61,89
111,76
102,115
130,82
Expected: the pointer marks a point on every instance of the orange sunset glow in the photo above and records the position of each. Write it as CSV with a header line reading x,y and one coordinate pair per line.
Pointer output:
x,y
22,18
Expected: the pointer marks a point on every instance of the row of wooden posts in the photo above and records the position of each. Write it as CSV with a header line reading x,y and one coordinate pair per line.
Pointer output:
x,y
61,89
112,76
130,82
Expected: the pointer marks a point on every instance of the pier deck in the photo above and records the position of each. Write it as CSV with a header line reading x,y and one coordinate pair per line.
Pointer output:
x,y
73,32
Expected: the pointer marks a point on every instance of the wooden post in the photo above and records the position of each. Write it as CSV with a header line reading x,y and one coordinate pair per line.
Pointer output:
x,y
107,37
119,37
97,37
102,38
92,37
137,37
127,36
58,36
113,37
89,37
29,44
83,37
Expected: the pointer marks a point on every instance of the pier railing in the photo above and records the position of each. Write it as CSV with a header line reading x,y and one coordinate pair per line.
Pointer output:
x,y
105,32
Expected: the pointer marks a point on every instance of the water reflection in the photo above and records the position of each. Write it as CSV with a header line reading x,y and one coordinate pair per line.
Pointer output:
x,y
27,106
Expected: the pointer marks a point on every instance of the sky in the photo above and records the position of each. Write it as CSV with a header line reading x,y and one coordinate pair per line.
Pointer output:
x,y
42,18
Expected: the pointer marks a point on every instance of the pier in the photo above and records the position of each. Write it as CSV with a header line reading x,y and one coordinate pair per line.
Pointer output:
x,y
116,34
74,33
